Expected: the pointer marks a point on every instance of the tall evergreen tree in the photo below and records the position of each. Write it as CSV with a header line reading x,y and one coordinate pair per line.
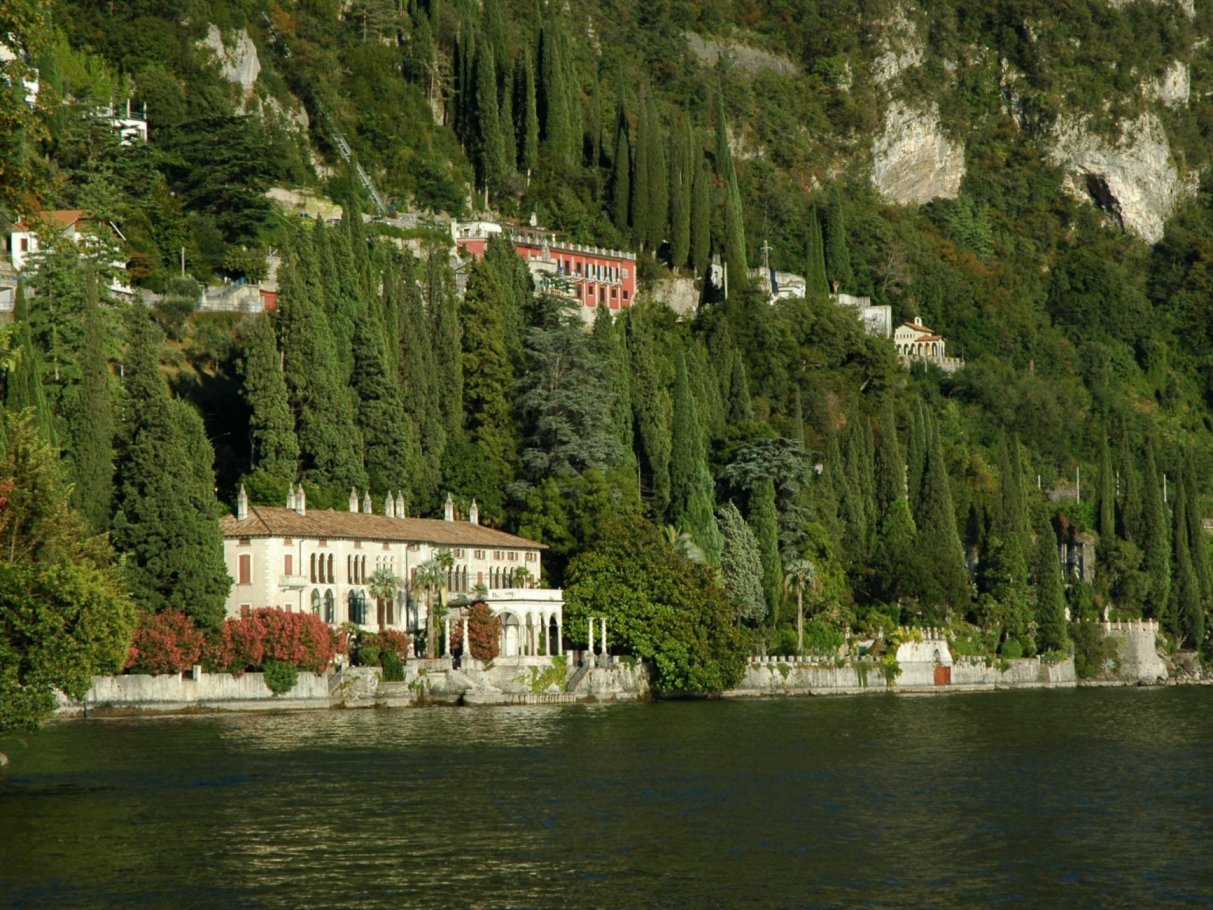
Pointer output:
x,y
489,153
488,377
653,410
837,252
816,282
608,346
1129,516
263,387
23,383
741,566
890,469
165,521
1156,539
947,578
1105,493
559,111
92,421
1185,613
701,215
916,453
764,522
1050,593
692,506
390,446
734,241
621,174
658,200
682,164
528,116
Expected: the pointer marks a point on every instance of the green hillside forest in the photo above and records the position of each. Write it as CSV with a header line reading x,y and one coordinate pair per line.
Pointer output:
x,y
713,473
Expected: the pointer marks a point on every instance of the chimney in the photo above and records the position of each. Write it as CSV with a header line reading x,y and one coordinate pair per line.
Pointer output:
x,y
474,513
366,502
448,510
353,499
242,504
301,500
389,505
290,498
400,513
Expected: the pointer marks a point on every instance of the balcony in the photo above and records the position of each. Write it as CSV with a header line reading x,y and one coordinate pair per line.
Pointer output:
x,y
292,581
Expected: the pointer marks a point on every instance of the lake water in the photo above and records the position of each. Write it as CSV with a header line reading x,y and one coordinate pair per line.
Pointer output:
x,y
1089,798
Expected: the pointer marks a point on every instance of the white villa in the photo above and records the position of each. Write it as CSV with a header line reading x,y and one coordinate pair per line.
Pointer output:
x,y
915,341
321,561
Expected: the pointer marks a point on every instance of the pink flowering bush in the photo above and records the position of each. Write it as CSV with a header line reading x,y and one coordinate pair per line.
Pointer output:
x,y
302,640
164,643
484,629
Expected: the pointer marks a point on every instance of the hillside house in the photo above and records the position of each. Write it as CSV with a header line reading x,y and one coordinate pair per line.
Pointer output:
x,y
877,320
321,561
916,342
22,242
592,276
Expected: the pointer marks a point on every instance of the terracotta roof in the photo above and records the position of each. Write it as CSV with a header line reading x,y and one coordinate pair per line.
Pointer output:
x,y
276,521
916,327
64,218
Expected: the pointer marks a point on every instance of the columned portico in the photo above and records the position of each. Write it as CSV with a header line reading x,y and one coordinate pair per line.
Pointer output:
x,y
531,619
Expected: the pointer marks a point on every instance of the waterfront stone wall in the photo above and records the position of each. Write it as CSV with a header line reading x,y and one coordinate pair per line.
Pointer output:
x,y
1137,644
135,693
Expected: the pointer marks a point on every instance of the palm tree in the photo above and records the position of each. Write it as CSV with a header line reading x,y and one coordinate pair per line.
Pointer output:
x,y
684,543
429,578
799,572
383,585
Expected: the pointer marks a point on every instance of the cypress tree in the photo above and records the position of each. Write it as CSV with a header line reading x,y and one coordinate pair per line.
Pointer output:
x,y
1129,516
390,447
946,576
682,165
558,112
1156,539
741,566
642,172
1105,492
1012,515
691,489
739,406
165,521
734,241
856,509
890,469
442,308
1185,613
419,381
658,219
488,376
1197,549
608,346
1050,593
816,282
764,522
916,453
23,385
621,174
837,254
263,387
329,444
528,116
701,215
92,423
490,155
653,410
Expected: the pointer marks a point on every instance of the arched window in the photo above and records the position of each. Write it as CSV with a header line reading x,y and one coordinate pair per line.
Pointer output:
x,y
330,572
313,568
349,569
330,611
316,600
362,571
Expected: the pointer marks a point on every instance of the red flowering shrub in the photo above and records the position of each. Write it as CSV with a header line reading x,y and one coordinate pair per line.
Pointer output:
x,y
238,646
164,643
302,639
391,640
484,629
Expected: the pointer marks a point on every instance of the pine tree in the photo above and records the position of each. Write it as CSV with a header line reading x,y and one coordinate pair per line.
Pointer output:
x,y
764,522
92,422
1050,593
816,282
263,387
837,253
691,489
741,566
165,521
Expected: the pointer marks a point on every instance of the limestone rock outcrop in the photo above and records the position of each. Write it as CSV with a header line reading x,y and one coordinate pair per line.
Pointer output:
x,y
912,160
1133,179
237,57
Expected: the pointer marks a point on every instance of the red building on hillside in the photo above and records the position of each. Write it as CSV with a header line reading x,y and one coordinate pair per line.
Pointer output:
x,y
594,277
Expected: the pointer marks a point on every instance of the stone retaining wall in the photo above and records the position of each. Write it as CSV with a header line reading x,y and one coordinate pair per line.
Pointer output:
x,y
184,691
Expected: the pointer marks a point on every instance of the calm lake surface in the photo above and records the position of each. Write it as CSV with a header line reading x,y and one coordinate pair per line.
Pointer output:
x,y
1092,798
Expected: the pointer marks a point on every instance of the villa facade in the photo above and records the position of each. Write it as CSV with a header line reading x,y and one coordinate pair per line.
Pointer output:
x,y
321,561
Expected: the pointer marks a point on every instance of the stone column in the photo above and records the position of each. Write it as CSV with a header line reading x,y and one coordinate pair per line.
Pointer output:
x,y
590,646
467,642
446,636
604,638
559,637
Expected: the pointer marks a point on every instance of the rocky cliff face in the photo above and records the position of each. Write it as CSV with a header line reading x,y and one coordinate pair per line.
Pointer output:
x,y
912,160
1133,179
236,56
